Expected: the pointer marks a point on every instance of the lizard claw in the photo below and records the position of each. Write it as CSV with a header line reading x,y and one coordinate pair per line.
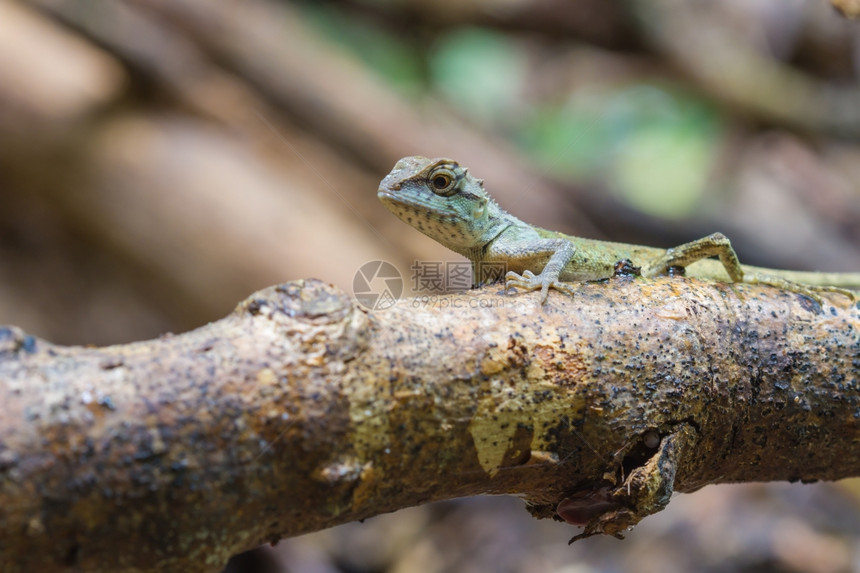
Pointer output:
x,y
529,281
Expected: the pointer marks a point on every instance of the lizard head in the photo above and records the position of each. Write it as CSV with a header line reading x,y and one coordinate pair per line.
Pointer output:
x,y
442,200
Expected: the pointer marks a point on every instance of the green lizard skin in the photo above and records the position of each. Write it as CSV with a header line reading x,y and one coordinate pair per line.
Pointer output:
x,y
444,201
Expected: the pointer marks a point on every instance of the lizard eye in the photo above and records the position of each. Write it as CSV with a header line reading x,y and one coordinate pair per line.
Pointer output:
x,y
443,183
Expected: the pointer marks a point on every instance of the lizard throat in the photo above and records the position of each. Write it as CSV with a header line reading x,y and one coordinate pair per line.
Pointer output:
x,y
447,226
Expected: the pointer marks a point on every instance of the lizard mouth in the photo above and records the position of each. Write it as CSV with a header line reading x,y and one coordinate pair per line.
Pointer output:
x,y
383,193
390,199
396,200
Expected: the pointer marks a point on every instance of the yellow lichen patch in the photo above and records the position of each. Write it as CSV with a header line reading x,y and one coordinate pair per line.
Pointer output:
x,y
498,416
536,371
493,438
371,427
266,377
512,427
494,361
564,367
371,479
370,423
516,417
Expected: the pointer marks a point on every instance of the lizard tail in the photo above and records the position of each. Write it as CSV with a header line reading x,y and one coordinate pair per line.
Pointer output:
x,y
850,281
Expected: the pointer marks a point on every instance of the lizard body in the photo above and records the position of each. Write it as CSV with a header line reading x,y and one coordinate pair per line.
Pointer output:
x,y
445,202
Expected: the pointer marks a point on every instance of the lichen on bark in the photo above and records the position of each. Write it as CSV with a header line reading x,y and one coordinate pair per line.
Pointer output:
x,y
300,411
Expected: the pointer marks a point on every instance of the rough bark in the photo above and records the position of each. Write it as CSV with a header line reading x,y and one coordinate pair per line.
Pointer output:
x,y
299,411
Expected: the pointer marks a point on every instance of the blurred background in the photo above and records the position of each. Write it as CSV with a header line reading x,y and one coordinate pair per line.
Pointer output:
x,y
160,160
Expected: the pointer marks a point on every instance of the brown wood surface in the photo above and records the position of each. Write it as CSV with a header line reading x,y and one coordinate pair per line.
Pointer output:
x,y
300,411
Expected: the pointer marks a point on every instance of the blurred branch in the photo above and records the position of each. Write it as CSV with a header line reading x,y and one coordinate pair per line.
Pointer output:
x,y
276,67
848,8
605,24
697,38
183,165
305,77
298,412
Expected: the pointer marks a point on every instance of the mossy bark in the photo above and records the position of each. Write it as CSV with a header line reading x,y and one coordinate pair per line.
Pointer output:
x,y
300,411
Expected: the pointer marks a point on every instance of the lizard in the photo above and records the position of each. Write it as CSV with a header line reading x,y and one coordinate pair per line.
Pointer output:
x,y
444,201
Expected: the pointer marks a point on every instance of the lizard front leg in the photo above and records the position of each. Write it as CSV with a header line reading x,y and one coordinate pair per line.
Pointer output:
x,y
559,251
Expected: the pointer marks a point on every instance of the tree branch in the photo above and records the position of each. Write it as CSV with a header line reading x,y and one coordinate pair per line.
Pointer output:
x,y
299,411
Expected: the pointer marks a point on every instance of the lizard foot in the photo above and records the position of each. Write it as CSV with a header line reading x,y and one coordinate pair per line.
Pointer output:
x,y
529,281
812,291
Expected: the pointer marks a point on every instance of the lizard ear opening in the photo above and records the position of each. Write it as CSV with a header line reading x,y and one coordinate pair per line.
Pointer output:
x,y
480,211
